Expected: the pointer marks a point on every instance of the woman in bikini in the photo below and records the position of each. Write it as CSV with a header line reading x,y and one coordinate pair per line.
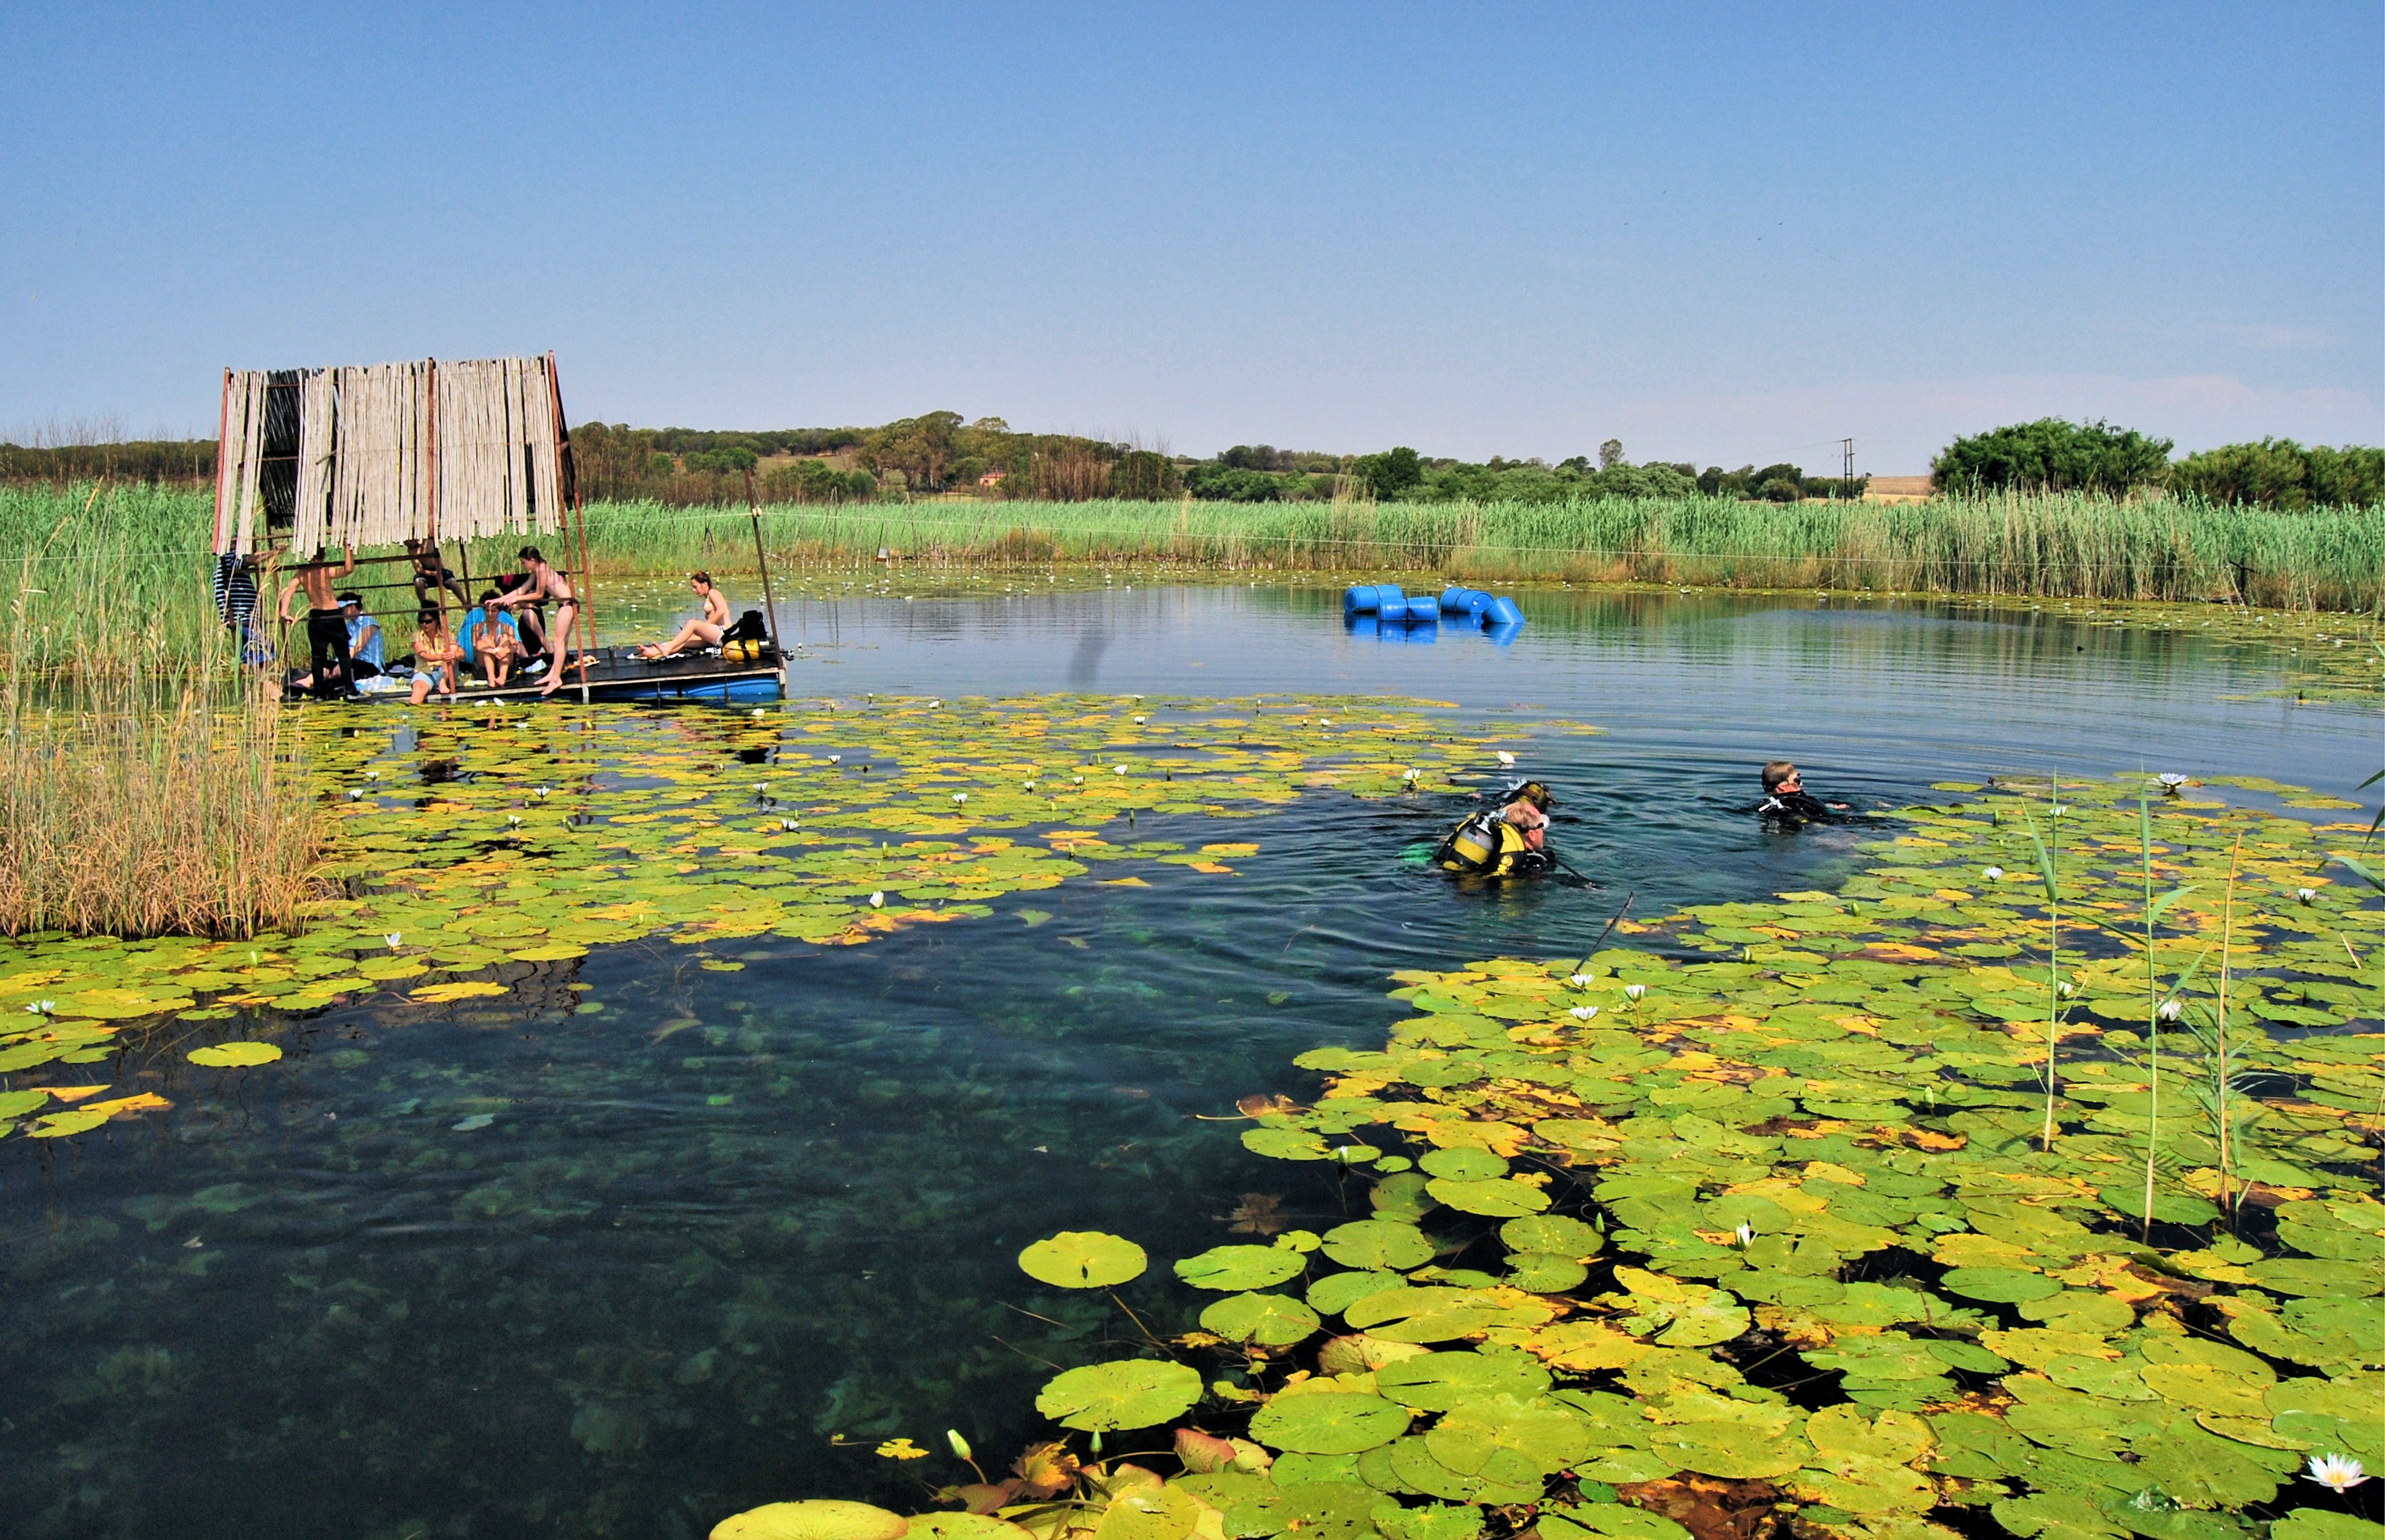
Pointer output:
x,y
705,630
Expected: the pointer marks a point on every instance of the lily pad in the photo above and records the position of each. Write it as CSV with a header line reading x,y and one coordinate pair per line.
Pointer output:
x,y
1378,1244
1328,1423
1083,1259
235,1055
1240,1267
814,1519
1127,1392
1268,1320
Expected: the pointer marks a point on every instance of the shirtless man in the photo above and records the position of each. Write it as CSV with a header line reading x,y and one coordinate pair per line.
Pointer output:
x,y
327,629
705,629
546,584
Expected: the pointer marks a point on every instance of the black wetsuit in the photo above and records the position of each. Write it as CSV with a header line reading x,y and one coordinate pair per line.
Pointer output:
x,y
1795,807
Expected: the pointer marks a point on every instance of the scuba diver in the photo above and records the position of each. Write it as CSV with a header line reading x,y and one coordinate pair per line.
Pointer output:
x,y
1787,801
1508,841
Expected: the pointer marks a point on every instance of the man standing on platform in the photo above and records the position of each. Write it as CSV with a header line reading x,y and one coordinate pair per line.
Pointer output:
x,y
327,629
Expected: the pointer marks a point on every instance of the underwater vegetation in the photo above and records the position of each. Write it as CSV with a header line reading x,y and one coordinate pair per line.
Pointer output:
x,y
458,842
2024,1181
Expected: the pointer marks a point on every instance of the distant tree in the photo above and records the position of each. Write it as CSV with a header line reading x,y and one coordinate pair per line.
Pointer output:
x,y
1228,483
920,448
1251,456
1610,454
2053,455
1143,474
2279,473
1389,473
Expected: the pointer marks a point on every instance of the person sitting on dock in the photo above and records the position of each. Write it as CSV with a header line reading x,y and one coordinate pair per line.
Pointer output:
x,y
1786,799
435,657
495,646
706,629
431,574
366,657
327,630
545,582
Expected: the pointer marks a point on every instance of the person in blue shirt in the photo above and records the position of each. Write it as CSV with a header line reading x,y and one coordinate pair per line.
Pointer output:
x,y
467,634
365,641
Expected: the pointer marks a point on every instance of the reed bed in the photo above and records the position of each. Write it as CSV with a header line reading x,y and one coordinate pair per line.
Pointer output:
x,y
2060,546
148,784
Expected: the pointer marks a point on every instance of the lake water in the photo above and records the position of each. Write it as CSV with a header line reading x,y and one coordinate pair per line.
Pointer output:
x,y
729,1215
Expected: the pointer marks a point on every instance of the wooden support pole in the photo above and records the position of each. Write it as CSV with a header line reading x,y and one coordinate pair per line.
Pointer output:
x,y
762,560
585,593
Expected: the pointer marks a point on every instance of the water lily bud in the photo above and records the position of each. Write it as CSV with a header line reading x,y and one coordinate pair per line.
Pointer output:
x,y
2305,894
1325,721
2169,1011
953,1435
1506,759
1746,1235
2063,989
1633,991
878,900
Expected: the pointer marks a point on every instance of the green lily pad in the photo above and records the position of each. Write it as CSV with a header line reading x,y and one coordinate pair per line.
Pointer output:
x,y
1463,1164
1240,1267
1508,1439
1328,1423
1499,1198
1998,1286
1268,1320
1083,1259
1127,1393
1337,1292
815,1518
1615,1520
1378,1244
235,1055
1436,1381
1553,1234
1542,1273
2318,1523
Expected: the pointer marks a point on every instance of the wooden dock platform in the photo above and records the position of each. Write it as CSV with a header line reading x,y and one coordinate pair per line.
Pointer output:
x,y
619,674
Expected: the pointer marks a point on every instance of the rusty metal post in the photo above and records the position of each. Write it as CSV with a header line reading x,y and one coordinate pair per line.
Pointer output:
x,y
585,622
762,560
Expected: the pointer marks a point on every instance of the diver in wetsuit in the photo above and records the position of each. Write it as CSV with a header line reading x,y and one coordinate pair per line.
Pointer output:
x,y
1503,842
1787,801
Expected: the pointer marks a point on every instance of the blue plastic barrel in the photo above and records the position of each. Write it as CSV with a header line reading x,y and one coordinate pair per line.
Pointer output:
x,y
1478,604
1424,611
1358,599
1503,612
1453,598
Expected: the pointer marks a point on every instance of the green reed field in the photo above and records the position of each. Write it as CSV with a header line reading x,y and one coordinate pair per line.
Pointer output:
x,y
147,547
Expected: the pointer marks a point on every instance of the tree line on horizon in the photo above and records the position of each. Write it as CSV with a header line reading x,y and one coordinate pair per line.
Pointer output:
x,y
941,454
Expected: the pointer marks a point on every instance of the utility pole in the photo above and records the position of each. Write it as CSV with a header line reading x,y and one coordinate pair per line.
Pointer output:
x,y
1847,459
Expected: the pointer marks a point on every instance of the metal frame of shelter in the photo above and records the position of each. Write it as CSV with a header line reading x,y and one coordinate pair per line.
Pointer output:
x,y
386,453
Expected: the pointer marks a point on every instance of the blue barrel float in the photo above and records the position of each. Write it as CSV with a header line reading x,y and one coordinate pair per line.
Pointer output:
x,y
1386,611
1372,599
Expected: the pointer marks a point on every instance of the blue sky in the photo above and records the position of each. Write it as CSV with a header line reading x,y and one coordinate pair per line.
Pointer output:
x,y
1719,233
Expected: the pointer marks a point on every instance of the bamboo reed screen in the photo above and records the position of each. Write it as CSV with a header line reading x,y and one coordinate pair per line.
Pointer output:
x,y
392,452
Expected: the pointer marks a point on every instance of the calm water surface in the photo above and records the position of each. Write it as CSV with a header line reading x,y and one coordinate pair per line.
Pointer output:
x,y
726,1217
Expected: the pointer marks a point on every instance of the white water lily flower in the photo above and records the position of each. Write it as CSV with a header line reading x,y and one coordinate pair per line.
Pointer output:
x,y
2337,1473
1078,780
1580,980
42,1008
1746,1234
757,710
2172,779
1506,757
2060,809
878,900
513,819
1120,768
1029,784
934,704
2169,1011
373,775
1632,992
1583,1013
834,757
1994,874
2063,989
2305,894
1138,721
540,791
1325,721
960,796
355,796
394,938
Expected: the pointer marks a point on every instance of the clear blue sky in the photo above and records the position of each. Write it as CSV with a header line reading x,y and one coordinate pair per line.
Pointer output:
x,y
1720,233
